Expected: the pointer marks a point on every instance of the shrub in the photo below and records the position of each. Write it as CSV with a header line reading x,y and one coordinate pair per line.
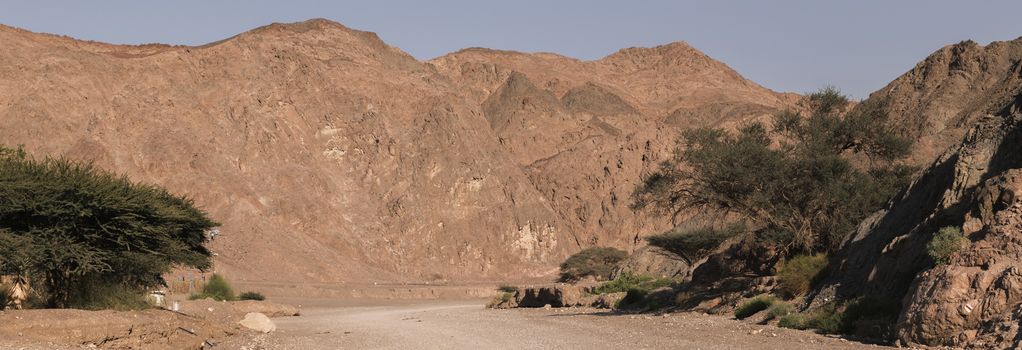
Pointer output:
x,y
636,288
507,288
628,281
866,317
779,309
218,289
102,296
503,297
828,319
598,262
825,320
694,244
793,321
251,296
753,306
945,242
796,276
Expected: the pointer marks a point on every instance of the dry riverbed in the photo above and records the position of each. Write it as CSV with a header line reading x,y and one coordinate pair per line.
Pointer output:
x,y
468,325
394,324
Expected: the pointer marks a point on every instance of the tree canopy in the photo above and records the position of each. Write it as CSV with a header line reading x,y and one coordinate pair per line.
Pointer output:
x,y
805,182
598,262
68,225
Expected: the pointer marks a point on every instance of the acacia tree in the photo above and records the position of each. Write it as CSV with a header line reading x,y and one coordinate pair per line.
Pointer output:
x,y
805,183
69,225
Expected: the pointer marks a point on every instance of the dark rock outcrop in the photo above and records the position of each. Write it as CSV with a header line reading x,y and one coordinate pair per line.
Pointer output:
x,y
556,295
975,299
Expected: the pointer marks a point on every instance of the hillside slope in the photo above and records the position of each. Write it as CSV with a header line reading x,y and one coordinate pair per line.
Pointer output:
x,y
586,132
968,96
330,156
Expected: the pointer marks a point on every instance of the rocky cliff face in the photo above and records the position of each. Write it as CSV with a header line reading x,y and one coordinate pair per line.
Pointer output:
x,y
974,299
330,156
585,132
975,92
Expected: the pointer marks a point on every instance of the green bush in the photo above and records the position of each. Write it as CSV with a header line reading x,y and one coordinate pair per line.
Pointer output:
x,y
251,296
866,317
104,296
828,319
796,275
695,244
945,242
598,262
218,289
507,288
793,321
628,281
753,306
780,309
825,320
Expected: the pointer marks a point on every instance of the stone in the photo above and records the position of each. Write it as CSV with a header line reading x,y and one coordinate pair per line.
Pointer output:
x,y
654,261
258,322
555,295
609,300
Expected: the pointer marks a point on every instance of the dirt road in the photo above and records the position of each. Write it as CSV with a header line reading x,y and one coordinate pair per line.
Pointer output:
x,y
467,325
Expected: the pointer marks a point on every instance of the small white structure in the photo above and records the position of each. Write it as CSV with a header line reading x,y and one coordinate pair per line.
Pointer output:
x,y
157,298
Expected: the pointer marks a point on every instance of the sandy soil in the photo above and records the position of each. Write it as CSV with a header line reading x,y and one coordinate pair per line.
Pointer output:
x,y
468,325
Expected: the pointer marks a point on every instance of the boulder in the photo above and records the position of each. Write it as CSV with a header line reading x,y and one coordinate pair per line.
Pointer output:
x,y
555,295
258,322
743,259
609,300
504,300
660,297
654,261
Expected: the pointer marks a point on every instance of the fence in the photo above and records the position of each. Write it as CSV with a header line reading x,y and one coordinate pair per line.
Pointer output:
x,y
187,283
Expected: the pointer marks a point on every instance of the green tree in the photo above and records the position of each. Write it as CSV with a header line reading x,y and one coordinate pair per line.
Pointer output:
x,y
805,183
69,225
695,244
598,262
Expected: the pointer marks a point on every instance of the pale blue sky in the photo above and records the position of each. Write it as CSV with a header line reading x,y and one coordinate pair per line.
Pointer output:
x,y
797,46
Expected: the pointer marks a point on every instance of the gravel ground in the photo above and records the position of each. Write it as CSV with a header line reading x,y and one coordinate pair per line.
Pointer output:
x,y
468,325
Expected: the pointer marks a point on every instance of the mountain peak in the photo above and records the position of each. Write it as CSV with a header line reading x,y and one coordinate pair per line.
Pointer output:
x,y
676,54
315,24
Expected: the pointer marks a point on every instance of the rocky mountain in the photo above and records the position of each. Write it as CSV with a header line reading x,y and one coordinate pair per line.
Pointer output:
x,y
968,96
586,131
330,156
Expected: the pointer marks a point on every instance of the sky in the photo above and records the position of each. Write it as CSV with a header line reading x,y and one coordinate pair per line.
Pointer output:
x,y
796,46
